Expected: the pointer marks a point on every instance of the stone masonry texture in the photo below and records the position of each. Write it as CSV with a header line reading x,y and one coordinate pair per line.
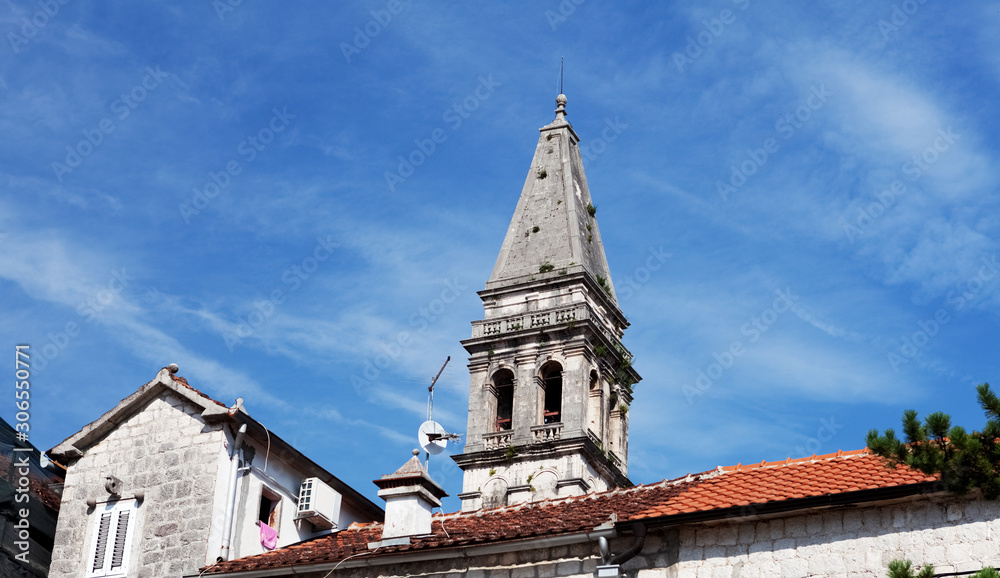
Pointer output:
x,y
167,451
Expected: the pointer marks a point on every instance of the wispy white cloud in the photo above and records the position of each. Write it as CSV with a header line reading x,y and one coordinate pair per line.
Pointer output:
x,y
84,283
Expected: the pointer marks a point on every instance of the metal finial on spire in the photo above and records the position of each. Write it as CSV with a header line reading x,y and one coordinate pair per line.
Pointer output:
x,y
561,60
561,99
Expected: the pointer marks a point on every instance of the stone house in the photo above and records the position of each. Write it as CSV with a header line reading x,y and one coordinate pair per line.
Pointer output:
x,y
153,485
545,489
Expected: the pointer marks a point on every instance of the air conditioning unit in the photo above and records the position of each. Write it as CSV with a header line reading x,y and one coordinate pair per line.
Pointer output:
x,y
319,504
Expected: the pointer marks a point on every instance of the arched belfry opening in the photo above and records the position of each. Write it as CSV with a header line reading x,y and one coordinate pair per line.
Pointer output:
x,y
551,378
503,385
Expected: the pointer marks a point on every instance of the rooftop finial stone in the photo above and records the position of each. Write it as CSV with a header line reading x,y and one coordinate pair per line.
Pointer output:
x,y
561,107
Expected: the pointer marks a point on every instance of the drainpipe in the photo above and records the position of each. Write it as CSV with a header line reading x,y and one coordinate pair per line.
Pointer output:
x,y
610,567
639,531
234,464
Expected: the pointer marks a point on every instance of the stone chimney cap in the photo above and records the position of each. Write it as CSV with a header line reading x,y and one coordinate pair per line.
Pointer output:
x,y
411,475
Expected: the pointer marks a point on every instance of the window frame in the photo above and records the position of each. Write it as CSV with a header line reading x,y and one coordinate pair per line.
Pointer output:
x,y
275,513
114,512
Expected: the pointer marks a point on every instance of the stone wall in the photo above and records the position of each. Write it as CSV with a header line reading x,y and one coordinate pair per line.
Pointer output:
x,y
952,534
167,451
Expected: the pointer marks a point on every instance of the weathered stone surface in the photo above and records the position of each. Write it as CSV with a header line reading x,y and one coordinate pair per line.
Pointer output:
x,y
850,543
142,451
551,288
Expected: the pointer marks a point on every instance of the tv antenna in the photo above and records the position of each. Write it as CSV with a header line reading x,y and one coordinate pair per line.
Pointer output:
x,y
430,390
432,436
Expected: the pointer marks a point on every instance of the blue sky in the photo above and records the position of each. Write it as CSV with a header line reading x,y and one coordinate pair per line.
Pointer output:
x,y
222,189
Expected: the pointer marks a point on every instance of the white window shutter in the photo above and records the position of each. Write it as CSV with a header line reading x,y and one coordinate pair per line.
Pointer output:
x,y
118,547
113,532
100,545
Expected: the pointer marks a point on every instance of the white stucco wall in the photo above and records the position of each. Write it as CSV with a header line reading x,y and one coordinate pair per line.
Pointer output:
x,y
281,480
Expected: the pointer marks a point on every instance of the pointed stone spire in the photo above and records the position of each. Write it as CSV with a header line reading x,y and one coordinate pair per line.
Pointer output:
x,y
550,381
555,220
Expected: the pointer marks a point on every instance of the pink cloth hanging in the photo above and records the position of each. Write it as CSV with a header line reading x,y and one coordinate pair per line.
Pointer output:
x,y
268,536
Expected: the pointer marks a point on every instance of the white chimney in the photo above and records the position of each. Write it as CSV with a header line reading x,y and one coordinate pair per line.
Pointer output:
x,y
410,495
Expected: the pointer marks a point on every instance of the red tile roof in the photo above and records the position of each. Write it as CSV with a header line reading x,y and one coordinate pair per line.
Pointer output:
x,y
184,382
770,482
719,489
547,518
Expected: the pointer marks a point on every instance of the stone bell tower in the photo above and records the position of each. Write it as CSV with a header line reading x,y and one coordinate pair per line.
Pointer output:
x,y
551,382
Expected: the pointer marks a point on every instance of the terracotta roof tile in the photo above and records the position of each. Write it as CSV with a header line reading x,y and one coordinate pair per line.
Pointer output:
x,y
724,487
788,479
184,382
549,517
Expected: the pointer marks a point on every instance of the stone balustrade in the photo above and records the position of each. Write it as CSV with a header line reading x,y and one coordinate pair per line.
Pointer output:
x,y
546,433
497,440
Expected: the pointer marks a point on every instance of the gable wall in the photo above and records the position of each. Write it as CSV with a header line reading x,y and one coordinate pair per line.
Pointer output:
x,y
167,451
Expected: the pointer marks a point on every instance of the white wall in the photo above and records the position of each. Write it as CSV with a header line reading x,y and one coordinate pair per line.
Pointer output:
x,y
281,479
